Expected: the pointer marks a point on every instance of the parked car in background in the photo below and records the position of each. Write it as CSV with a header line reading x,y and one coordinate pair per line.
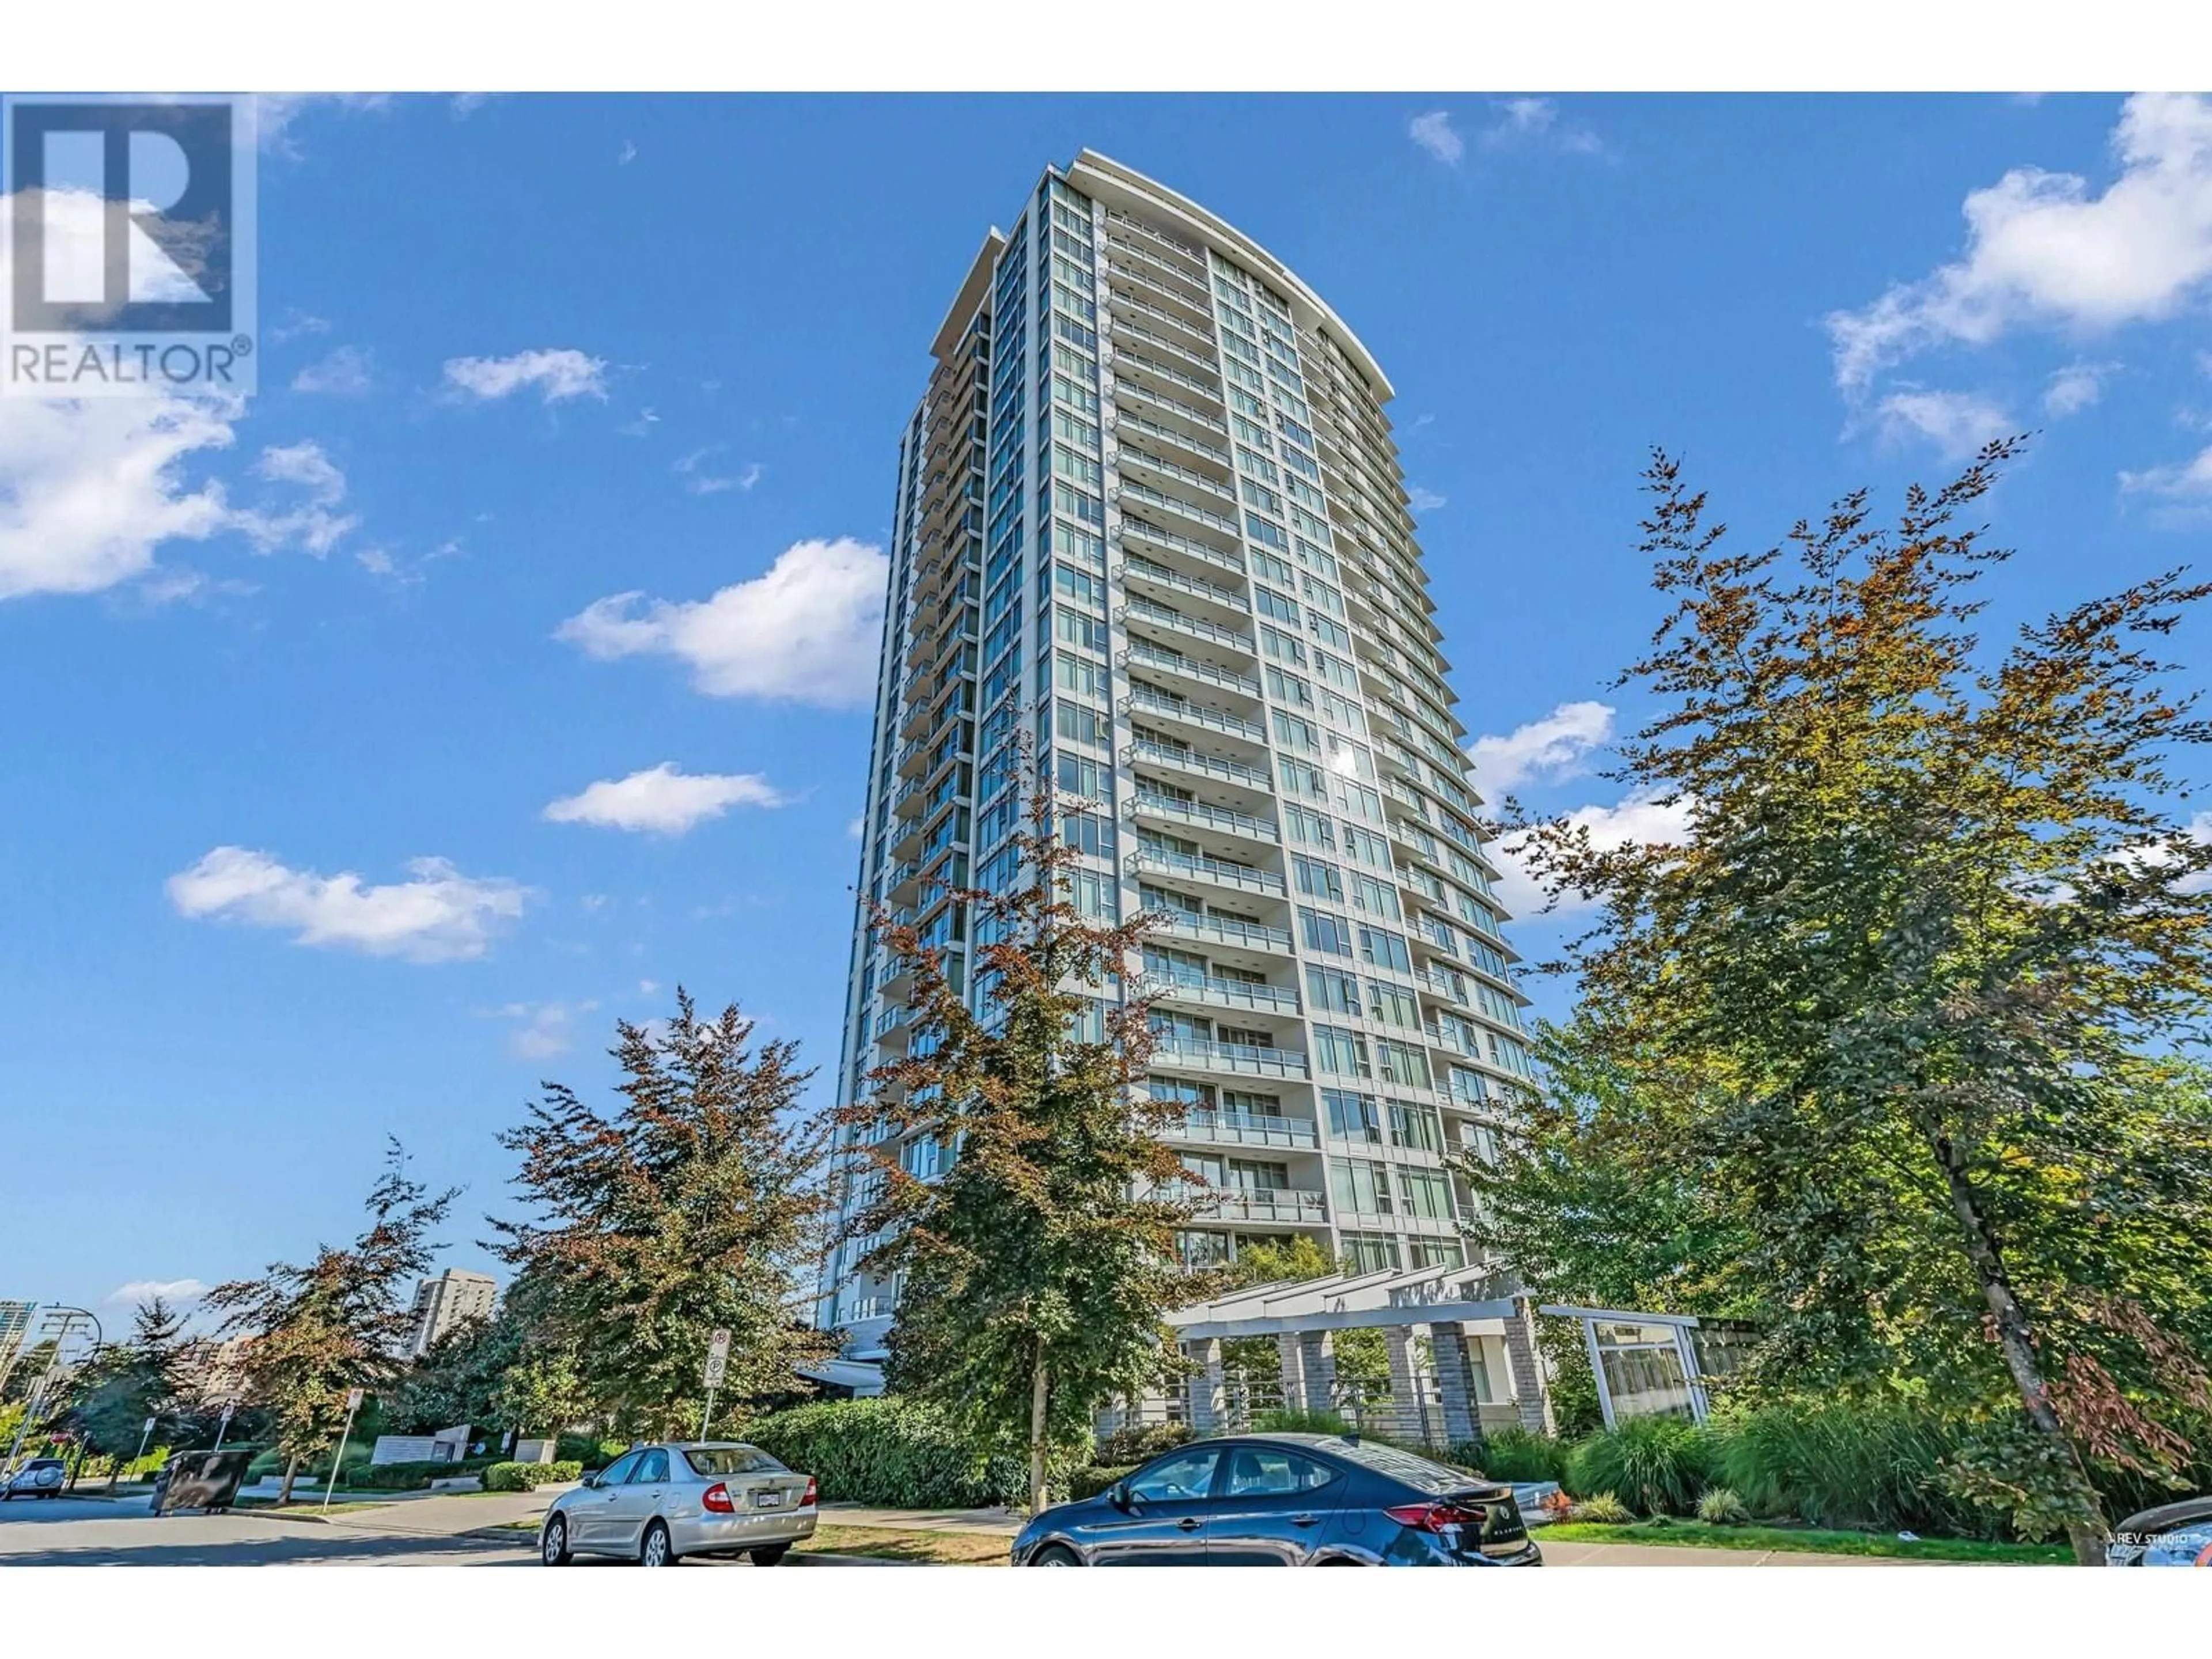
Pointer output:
x,y
42,1477
657,1504
1286,1500
2171,1535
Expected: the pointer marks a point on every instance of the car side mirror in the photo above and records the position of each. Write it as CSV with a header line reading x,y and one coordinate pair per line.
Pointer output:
x,y
592,1479
1118,1496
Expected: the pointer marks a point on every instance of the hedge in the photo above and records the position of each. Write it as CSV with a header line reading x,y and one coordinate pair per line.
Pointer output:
x,y
1514,1454
589,1450
527,1477
898,1453
1089,1483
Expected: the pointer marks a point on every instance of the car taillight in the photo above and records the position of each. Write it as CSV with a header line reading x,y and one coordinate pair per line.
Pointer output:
x,y
1434,1517
716,1499
806,1497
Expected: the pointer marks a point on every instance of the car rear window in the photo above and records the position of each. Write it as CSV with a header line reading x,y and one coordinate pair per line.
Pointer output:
x,y
731,1460
1419,1473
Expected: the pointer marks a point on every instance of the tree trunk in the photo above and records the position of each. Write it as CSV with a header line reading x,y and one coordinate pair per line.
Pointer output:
x,y
2017,1343
291,1471
1038,1397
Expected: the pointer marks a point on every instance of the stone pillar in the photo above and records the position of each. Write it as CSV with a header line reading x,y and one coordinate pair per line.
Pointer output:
x,y
1294,1371
1529,1397
1318,1349
1207,1404
1406,1408
1455,1381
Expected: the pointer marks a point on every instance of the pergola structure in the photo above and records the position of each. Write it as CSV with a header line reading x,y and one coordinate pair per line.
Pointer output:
x,y
1462,1358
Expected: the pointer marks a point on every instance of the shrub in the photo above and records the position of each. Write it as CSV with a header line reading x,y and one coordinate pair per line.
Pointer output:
x,y
1604,1510
894,1451
528,1477
1850,1464
1655,1464
589,1450
1140,1445
1516,1455
1089,1483
1301,1422
1720,1507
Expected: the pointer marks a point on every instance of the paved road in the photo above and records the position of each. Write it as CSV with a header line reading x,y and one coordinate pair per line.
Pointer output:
x,y
94,1532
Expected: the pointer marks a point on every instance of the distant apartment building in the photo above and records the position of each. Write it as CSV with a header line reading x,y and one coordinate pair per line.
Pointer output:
x,y
446,1303
1151,514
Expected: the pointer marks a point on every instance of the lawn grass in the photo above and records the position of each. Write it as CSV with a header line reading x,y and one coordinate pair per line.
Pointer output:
x,y
942,1548
1806,1540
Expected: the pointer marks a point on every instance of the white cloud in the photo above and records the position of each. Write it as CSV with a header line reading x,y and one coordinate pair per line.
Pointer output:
x,y
437,914
856,827
1638,818
2200,829
699,482
1421,500
1547,749
2043,249
626,154
296,323
2189,480
275,113
1535,122
1433,133
2076,387
315,526
806,631
542,1028
89,489
169,1290
664,800
646,987
346,372
1957,422
557,373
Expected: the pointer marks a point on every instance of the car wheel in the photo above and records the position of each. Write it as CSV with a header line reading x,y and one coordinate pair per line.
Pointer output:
x,y
657,1550
768,1554
553,1548
1055,1555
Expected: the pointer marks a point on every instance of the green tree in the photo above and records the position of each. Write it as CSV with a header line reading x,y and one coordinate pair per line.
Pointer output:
x,y
1573,1200
127,1382
337,1323
697,1204
1039,1267
1900,987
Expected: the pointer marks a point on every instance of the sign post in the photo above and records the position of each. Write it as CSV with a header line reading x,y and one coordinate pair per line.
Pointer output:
x,y
144,1438
353,1404
718,1360
229,1407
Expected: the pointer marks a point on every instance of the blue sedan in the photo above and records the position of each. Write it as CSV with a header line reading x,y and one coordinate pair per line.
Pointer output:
x,y
1286,1500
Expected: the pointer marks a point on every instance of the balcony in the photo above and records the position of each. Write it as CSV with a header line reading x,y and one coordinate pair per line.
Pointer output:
x,y
1225,930
1162,705
1169,661
1151,536
1135,567
1243,1058
1142,752
1146,804
1162,502
1244,1129
1162,616
1217,993
1289,1205
1124,423
1170,404
1128,456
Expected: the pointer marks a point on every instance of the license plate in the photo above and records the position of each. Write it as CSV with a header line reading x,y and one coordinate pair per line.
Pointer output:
x,y
768,1500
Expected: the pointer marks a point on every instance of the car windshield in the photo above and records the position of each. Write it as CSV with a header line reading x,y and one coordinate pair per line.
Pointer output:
x,y
1419,1473
731,1460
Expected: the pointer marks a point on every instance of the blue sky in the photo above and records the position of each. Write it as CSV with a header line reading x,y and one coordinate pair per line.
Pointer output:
x,y
299,838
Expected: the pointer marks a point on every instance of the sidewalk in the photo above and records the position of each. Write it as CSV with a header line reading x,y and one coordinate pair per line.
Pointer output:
x,y
1004,1521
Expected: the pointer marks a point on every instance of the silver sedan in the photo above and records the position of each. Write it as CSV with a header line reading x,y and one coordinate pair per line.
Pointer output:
x,y
657,1503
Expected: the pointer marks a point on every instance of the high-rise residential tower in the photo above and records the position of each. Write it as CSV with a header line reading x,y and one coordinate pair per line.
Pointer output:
x,y
1150,513
455,1297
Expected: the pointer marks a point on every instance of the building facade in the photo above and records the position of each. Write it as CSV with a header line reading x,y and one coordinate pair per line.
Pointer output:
x,y
1149,512
446,1303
